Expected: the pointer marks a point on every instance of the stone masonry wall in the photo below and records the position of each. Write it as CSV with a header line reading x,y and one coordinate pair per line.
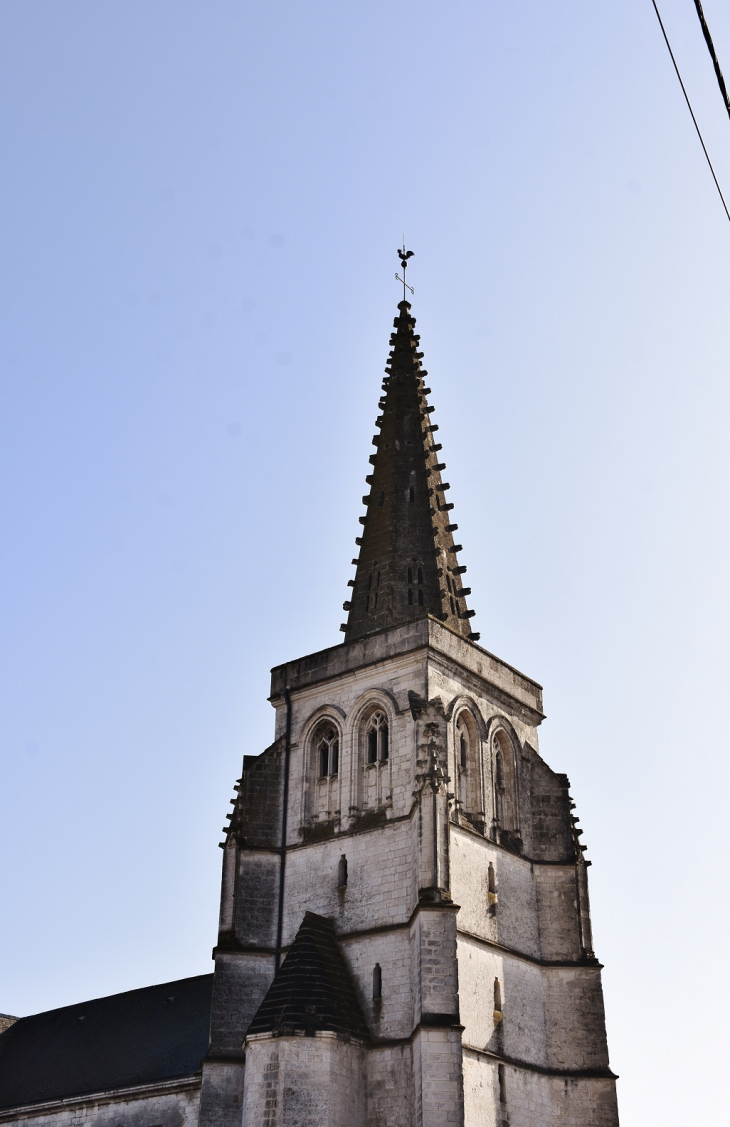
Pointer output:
x,y
345,705
520,1030
392,1016
532,1099
436,983
512,918
390,1086
439,1071
575,1018
171,1105
381,884
304,1082
558,912
240,982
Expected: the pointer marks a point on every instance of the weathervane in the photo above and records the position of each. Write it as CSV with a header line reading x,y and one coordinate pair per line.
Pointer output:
x,y
404,255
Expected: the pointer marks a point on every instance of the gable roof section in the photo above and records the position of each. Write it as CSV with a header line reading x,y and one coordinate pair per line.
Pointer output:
x,y
139,1037
313,989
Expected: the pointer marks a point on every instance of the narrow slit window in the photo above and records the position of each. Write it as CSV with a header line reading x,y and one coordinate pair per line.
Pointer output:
x,y
497,997
410,596
491,880
411,494
502,1084
463,745
420,575
335,757
384,750
373,745
420,597
324,758
342,872
377,983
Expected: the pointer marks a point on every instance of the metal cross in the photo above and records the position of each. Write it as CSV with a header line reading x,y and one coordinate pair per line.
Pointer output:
x,y
404,255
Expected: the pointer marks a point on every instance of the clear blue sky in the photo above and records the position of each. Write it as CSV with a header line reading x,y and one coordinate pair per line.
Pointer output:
x,y
201,203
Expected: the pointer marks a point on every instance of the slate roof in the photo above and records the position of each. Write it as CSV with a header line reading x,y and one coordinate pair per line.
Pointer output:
x,y
141,1036
408,565
313,989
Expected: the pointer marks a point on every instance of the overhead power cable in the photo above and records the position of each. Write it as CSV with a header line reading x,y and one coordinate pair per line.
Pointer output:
x,y
713,55
689,107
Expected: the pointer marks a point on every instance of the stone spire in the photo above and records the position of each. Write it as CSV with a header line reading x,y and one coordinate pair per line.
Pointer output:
x,y
408,565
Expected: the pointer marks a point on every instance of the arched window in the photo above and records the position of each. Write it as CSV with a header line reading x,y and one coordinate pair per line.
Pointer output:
x,y
327,750
505,796
498,767
374,785
467,756
377,738
462,735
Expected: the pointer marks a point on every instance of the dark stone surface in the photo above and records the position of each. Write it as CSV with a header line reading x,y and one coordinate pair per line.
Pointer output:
x,y
313,989
257,817
141,1036
546,820
257,899
408,524
241,982
221,1096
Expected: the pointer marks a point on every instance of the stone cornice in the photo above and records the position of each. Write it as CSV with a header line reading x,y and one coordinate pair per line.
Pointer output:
x,y
543,1070
535,960
503,680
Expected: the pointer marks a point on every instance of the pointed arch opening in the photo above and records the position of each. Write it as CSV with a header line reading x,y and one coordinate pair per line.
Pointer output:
x,y
377,737
327,742
504,774
374,741
467,753
323,754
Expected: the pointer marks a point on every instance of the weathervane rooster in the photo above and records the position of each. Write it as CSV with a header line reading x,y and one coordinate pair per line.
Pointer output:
x,y
404,255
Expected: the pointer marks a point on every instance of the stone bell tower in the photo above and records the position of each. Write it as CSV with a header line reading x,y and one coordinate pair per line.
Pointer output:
x,y
404,929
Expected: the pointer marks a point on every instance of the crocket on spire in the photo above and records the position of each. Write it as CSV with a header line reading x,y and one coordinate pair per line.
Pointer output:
x,y
408,565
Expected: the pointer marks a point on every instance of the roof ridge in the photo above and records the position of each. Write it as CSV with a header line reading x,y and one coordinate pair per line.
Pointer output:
x,y
118,994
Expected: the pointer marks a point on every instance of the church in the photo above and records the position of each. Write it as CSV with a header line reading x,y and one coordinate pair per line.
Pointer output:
x,y
404,935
